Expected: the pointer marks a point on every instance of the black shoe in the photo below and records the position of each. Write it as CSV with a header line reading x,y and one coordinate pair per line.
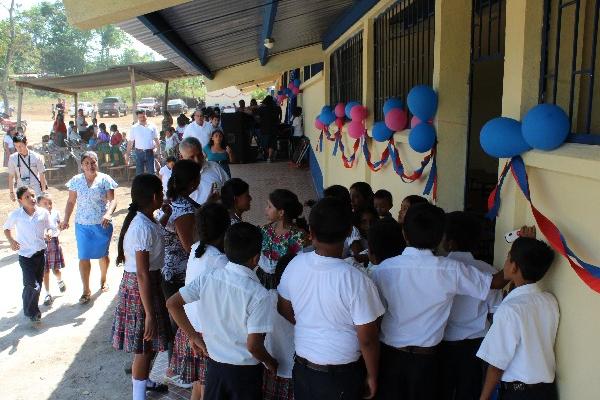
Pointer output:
x,y
36,318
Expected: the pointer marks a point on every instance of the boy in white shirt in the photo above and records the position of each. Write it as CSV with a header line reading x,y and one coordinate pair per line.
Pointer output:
x,y
461,370
31,224
165,172
237,316
520,343
335,309
418,288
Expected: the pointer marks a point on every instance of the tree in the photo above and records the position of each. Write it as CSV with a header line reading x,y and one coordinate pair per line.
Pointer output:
x,y
10,48
110,38
131,56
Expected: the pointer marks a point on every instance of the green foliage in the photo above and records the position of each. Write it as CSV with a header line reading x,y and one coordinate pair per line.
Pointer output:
x,y
259,94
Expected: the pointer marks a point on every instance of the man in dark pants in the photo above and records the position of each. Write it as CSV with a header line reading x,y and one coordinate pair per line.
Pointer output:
x,y
31,224
144,137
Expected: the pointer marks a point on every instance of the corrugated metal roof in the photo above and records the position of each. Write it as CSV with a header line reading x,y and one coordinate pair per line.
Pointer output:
x,y
226,33
111,78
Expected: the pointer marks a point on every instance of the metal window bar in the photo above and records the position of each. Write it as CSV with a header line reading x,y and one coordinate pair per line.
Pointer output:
x,y
563,22
403,49
487,30
345,75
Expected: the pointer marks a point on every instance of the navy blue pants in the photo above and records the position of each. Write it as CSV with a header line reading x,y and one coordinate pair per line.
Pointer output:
x,y
233,382
33,275
144,161
346,383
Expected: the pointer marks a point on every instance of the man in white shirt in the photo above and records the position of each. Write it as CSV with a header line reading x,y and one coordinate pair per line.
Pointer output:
x,y
418,288
212,176
31,224
519,346
198,129
145,139
237,315
27,167
335,308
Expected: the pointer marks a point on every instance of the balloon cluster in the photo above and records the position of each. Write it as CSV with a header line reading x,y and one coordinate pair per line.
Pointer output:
x,y
394,120
292,90
353,111
544,127
422,103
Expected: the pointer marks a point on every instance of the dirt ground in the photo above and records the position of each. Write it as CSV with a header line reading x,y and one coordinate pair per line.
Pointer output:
x,y
68,356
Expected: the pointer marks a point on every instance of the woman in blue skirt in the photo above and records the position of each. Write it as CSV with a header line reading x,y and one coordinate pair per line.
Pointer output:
x,y
94,194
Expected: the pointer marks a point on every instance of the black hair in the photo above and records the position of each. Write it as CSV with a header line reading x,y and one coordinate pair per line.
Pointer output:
x,y
21,191
339,192
533,257
415,199
243,241
424,226
43,196
20,139
223,141
102,126
282,263
182,120
138,112
242,102
183,173
297,112
330,220
113,128
384,195
71,122
365,190
212,221
171,129
464,230
385,239
231,189
171,159
253,102
144,188
283,199
367,210
213,115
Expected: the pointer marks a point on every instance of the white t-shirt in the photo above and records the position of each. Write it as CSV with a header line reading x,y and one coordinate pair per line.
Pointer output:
x,y
143,136
330,298
468,316
297,125
280,342
54,222
210,260
202,133
165,174
17,167
171,142
81,123
30,229
9,142
521,340
210,173
234,304
143,235
417,289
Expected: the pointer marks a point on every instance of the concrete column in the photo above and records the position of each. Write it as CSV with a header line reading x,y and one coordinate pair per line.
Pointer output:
x,y
166,99
19,104
133,97
451,68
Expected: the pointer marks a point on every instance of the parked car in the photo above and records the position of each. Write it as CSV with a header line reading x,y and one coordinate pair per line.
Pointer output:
x,y
177,106
112,106
150,105
86,106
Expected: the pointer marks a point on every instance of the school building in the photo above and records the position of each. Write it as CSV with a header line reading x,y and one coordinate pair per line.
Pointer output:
x,y
485,58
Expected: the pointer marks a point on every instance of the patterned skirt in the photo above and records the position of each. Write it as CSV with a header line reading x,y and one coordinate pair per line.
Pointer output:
x,y
185,363
277,388
54,256
130,317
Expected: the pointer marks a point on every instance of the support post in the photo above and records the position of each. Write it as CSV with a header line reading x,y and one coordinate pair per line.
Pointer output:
x,y
166,98
75,104
19,104
133,97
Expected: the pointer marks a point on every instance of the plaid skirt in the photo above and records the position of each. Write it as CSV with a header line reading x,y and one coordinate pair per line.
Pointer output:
x,y
185,363
54,256
130,317
277,388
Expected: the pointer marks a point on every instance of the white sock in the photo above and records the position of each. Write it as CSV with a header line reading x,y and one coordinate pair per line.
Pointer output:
x,y
139,389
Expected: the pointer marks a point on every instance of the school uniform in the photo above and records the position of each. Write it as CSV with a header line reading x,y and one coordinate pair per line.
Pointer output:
x,y
461,370
330,298
521,343
233,291
30,234
129,322
55,259
417,289
27,170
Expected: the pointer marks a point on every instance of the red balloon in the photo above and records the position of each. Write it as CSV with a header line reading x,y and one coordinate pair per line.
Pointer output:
x,y
416,121
295,90
358,113
356,130
291,85
395,119
340,110
319,125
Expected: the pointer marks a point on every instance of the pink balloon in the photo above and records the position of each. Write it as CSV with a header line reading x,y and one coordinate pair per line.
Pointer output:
x,y
395,119
358,113
318,124
356,130
291,85
416,121
295,90
340,110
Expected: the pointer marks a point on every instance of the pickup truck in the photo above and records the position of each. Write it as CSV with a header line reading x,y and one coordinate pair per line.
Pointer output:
x,y
112,106
150,105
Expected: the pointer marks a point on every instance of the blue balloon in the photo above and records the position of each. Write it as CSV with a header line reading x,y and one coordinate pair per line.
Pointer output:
x,y
502,138
392,103
545,127
297,82
349,106
422,102
422,138
327,116
381,132
325,109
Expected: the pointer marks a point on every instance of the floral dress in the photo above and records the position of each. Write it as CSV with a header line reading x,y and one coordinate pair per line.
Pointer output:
x,y
276,246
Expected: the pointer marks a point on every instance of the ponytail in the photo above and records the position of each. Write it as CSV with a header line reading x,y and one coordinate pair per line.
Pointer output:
x,y
132,211
212,221
283,199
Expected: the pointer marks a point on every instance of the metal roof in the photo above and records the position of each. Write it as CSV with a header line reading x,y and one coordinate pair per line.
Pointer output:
x,y
226,33
114,77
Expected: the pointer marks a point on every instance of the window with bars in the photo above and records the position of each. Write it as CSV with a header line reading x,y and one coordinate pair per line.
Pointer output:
x,y
345,71
312,70
487,30
569,62
403,46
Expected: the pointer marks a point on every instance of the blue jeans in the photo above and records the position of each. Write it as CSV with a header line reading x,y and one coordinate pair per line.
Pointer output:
x,y
144,159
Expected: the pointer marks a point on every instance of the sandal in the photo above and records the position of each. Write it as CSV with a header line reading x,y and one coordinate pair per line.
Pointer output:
x,y
61,286
85,298
152,386
104,287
